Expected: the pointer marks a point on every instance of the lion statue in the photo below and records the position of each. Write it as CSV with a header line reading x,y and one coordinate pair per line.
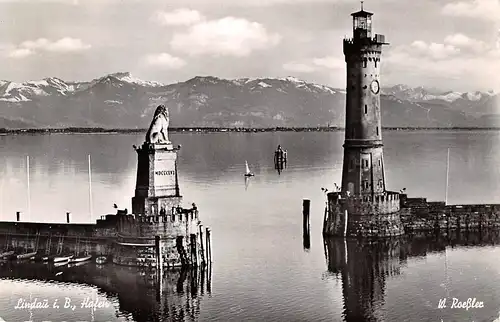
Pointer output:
x,y
158,130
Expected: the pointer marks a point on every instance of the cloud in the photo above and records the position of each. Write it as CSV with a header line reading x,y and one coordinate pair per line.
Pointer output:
x,y
464,42
330,62
72,2
164,60
298,67
224,37
20,53
266,3
433,50
443,60
315,64
481,9
62,45
178,17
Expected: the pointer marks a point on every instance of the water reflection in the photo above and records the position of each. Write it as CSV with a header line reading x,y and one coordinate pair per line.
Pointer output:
x,y
365,266
141,294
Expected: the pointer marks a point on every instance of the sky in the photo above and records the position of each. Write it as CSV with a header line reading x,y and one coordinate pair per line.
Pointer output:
x,y
448,44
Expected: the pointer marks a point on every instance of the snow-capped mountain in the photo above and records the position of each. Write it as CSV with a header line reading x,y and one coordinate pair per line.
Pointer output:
x,y
27,91
427,94
120,100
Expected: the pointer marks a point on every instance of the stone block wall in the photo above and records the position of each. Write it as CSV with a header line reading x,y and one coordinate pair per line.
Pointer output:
x,y
418,214
367,216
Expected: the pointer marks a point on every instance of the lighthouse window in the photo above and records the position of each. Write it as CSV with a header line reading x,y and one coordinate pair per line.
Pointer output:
x,y
364,63
377,127
366,111
379,163
366,184
375,62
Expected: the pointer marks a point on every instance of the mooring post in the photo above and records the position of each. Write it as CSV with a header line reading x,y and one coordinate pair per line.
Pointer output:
x,y
194,251
306,240
202,250
306,203
18,215
208,244
67,217
159,258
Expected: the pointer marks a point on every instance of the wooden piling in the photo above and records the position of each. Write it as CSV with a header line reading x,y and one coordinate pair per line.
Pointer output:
x,y
306,203
208,244
306,240
158,255
202,249
194,250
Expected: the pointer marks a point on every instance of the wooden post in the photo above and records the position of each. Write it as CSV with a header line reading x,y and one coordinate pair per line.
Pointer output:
x,y
346,214
67,217
306,240
202,249
209,278
208,245
158,255
18,215
194,251
306,203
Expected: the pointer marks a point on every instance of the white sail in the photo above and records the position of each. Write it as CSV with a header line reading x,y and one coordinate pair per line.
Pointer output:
x,y
247,168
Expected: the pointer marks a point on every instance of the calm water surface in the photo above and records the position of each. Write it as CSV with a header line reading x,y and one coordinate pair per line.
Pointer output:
x,y
261,270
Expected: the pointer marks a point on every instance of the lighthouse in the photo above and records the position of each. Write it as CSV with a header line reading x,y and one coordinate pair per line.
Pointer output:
x,y
363,207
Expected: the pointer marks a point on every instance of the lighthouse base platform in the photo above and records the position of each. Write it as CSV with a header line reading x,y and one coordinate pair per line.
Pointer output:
x,y
363,216
395,214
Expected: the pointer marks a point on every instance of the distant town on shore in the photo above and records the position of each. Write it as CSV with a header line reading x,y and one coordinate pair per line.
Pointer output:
x,y
89,130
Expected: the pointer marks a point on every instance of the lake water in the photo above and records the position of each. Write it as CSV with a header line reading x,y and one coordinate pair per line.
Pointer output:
x,y
261,270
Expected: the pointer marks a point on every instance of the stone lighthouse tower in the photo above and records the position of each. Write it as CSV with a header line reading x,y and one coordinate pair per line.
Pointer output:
x,y
363,207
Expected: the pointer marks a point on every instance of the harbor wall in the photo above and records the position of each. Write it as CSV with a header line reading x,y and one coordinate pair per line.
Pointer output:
x,y
418,214
376,217
171,240
368,216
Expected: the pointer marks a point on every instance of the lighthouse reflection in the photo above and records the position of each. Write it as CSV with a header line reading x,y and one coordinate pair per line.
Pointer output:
x,y
365,266
142,294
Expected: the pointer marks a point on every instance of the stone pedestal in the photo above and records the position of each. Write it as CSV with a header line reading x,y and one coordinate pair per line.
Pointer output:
x,y
157,186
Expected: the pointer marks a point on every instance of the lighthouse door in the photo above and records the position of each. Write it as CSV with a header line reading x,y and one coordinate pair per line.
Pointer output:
x,y
350,188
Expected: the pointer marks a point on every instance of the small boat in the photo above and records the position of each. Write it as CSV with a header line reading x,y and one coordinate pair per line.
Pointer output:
x,y
78,264
26,255
62,258
247,170
15,256
6,254
59,264
41,258
80,259
101,260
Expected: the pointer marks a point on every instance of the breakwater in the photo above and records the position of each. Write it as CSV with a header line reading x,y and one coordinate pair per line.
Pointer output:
x,y
395,213
418,214
173,239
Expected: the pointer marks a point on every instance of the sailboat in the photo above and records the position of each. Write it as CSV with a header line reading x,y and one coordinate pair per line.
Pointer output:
x,y
247,170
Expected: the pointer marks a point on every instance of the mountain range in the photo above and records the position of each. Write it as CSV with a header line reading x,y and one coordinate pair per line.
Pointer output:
x,y
120,100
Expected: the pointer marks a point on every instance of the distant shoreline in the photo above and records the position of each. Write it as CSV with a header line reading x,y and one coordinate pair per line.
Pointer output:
x,y
81,130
